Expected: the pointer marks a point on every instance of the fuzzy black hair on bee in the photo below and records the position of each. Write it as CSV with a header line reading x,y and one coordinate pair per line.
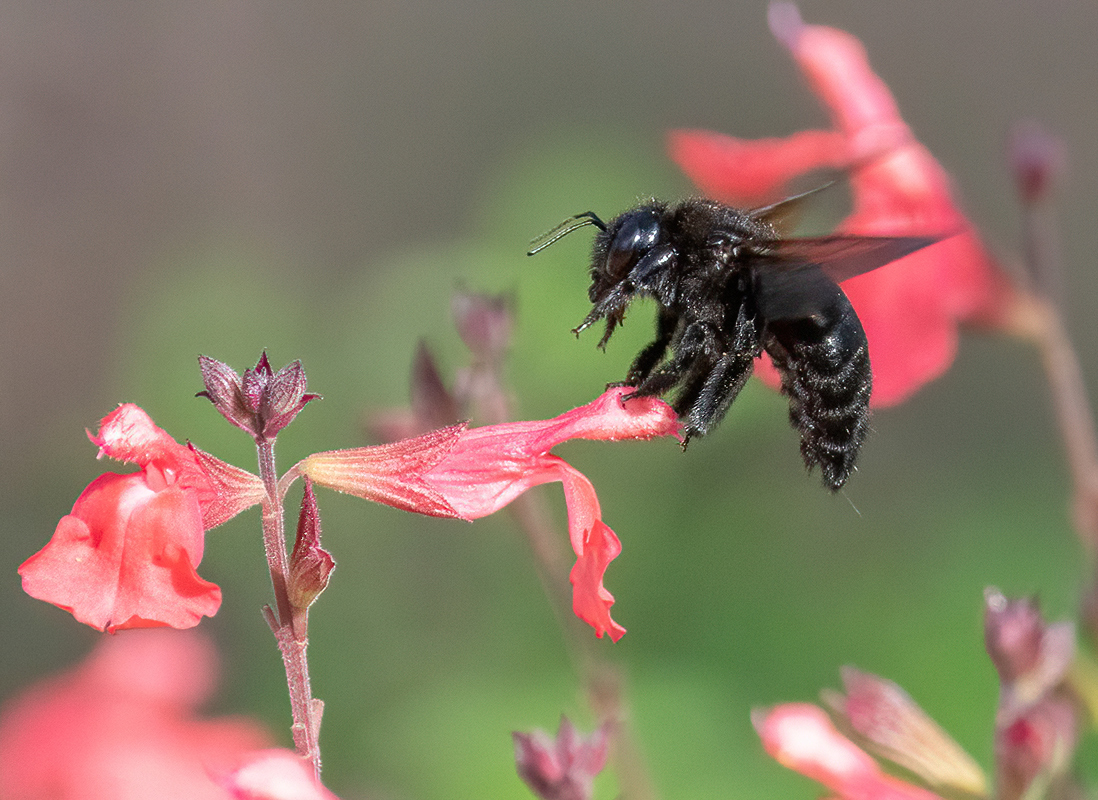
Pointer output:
x,y
729,287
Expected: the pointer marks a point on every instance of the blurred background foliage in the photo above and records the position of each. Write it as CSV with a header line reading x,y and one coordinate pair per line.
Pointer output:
x,y
316,179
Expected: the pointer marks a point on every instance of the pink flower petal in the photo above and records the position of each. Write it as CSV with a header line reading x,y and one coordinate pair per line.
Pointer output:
x,y
752,173
275,775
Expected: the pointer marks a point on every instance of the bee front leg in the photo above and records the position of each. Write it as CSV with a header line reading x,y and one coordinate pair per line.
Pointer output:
x,y
667,321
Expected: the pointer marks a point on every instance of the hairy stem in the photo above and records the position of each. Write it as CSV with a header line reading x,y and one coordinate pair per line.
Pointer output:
x,y
292,644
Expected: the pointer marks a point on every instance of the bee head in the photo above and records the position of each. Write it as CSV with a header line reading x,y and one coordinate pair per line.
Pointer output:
x,y
630,237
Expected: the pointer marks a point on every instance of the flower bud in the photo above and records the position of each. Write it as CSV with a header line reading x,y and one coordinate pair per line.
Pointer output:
x,y
484,323
563,768
1037,159
1031,656
1036,748
310,564
261,401
895,727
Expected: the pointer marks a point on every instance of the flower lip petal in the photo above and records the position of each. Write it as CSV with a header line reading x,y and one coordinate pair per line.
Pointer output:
x,y
126,555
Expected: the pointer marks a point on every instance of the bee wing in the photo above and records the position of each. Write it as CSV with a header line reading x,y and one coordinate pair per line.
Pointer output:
x,y
843,257
785,213
798,278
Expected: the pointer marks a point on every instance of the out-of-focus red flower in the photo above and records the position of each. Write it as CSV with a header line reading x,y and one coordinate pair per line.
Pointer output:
x,y
121,726
800,736
274,775
126,555
471,473
561,768
910,309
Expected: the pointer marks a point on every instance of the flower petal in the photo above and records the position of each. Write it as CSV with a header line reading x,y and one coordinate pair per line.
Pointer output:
x,y
129,434
274,774
745,172
122,725
126,558
591,600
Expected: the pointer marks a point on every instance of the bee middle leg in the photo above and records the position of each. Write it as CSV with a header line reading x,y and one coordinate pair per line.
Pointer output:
x,y
698,345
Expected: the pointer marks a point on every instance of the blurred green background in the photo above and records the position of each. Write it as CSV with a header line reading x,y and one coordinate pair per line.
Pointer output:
x,y
315,179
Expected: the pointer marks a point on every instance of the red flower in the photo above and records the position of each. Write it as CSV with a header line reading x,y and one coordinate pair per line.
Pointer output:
x,y
909,310
121,726
126,555
471,473
800,736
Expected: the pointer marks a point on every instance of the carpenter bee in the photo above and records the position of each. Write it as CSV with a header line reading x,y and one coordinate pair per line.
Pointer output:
x,y
728,287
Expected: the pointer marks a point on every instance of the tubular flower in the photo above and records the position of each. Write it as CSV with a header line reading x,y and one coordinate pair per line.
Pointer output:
x,y
126,555
800,736
471,473
910,310
122,725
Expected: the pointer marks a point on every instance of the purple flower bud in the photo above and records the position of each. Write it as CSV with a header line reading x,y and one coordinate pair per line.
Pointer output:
x,y
260,402
563,768
310,564
484,323
1037,159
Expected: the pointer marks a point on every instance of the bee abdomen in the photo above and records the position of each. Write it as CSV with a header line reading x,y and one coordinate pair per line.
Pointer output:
x,y
828,382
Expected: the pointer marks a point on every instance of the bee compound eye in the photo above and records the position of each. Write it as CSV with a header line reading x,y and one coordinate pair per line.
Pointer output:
x,y
637,233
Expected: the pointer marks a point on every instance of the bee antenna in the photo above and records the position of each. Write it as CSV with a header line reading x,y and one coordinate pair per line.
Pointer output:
x,y
565,228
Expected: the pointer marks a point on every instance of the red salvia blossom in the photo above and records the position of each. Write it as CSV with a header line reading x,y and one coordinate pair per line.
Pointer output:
x,y
910,309
473,472
126,555
122,726
800,736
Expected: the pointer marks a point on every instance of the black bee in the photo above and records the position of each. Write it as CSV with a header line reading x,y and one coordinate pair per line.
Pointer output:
x,y
728,287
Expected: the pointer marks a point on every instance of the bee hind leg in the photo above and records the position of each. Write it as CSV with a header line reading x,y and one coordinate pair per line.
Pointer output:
x,y
719,388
